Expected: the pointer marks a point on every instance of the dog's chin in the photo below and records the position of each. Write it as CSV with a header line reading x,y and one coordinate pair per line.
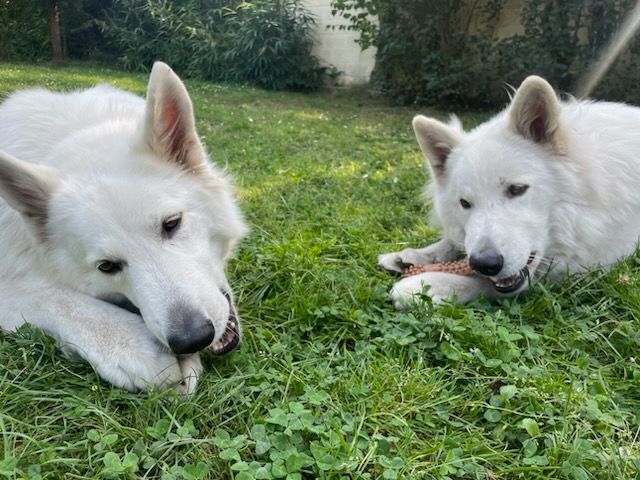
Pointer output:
x,y
517,282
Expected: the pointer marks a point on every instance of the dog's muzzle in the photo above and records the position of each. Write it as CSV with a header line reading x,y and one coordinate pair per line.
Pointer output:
x,y
201,330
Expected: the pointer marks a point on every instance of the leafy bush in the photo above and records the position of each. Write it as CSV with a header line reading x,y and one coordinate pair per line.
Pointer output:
x,y
269,42
442,65
140,32
265,42
561,40
444,52
24,30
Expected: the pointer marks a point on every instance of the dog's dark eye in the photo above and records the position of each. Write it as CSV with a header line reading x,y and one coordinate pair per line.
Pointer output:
x,y
516,190
171,224
465,204
107,266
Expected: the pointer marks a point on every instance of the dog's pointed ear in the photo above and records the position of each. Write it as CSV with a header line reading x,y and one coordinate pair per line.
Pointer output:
x,y
169,124
27,188
535,112
436,141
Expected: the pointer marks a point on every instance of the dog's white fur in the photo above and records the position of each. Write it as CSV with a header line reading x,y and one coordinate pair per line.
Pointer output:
x,y
90,176
581,163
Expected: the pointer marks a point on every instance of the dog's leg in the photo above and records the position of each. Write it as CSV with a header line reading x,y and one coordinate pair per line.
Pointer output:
x,y
441,251
440,287
114,341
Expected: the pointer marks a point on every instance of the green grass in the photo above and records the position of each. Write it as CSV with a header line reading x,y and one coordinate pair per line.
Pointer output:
x,y
331,382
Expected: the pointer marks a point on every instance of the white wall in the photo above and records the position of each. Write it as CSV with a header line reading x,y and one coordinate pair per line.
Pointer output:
x,y
337,48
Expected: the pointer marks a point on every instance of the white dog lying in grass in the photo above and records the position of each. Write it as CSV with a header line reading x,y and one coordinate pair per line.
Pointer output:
x,y
545,185
116,229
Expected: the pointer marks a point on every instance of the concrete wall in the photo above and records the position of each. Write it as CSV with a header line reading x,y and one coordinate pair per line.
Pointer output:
x,y
507,24
337,48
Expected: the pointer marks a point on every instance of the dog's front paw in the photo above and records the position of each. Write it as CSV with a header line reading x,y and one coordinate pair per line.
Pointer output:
x,y
397,262
393,262
439,287
144,365
161,371
142,369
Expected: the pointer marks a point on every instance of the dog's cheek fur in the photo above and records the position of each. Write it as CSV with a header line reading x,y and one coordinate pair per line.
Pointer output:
x,y
230,228
66,260
446,210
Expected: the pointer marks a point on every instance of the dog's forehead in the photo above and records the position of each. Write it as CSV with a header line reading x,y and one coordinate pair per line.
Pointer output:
x,y
102,213
493,155
127,204
142,191
480,166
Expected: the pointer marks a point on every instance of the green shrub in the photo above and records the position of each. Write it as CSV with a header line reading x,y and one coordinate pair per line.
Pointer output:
x,y
24,30
142,31
444,52
265,42
561,40
422,59
269,42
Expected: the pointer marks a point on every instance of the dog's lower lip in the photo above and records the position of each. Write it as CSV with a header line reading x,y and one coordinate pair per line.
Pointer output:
x,y
511,284
229,340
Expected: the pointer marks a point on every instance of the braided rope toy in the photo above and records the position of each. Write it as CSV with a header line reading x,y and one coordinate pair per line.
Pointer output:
x,y
456,267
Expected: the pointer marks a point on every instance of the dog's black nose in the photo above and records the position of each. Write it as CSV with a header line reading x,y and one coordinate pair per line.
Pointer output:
x,y
195,334
487,262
